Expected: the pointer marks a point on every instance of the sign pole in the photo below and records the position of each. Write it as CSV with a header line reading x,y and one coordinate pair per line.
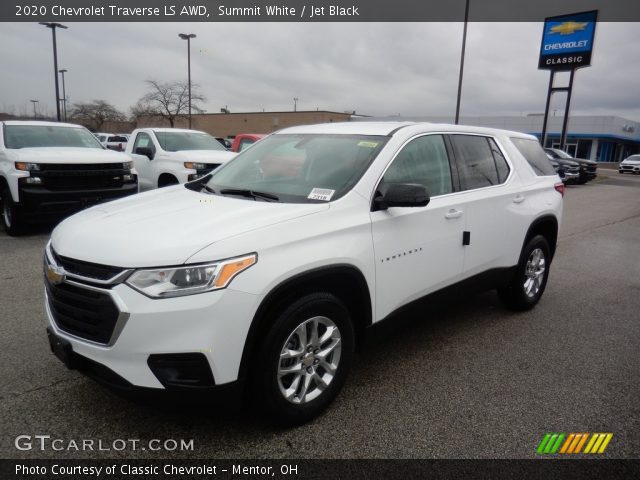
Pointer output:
x,y
546,109
565,120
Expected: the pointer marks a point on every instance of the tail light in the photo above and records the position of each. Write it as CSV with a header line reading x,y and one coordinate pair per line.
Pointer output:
x,y
559,188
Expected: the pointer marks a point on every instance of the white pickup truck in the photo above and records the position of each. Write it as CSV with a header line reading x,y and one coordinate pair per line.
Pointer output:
x,y
168,156
50,170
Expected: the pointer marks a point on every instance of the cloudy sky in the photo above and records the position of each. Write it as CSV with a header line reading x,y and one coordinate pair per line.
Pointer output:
x,y
372,68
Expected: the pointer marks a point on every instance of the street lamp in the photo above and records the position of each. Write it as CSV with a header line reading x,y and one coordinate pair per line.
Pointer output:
x,y
35,115
53,26
64,94
295,104
188,37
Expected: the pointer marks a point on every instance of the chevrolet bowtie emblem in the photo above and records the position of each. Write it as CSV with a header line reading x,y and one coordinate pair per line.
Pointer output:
x,y
55,274
568,28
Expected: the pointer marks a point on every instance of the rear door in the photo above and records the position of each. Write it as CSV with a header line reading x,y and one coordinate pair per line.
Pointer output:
x,y
419,249
492,201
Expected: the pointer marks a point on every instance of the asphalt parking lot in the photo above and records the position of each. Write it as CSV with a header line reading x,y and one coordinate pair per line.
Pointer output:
x,y
470,380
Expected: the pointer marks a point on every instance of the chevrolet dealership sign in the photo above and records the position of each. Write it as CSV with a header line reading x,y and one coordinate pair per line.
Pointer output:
x,y
567,41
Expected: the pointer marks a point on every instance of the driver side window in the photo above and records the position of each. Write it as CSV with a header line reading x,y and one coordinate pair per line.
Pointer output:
x,y
424,161
144,140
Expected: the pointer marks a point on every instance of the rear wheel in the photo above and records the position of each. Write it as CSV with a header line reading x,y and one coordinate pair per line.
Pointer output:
x,y
305,358
530,279
10,214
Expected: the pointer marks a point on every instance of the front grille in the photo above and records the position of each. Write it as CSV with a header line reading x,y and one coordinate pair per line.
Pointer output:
x,y
82,176
65,167
81,312
86,269
210,168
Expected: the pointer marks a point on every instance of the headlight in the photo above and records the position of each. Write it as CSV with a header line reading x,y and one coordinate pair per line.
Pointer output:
x,y
127,165
27,167
195,166
189,280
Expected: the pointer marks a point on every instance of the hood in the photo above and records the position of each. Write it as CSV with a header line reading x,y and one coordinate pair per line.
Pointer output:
x,y
166,226
69,155
631,161
566,162
203,156
584,161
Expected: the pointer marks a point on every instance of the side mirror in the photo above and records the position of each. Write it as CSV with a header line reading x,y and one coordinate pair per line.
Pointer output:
x,y
146,151
401,195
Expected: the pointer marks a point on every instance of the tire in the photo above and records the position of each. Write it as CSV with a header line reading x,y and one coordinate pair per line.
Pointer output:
x,y
527,285
167,181
297,374
10,214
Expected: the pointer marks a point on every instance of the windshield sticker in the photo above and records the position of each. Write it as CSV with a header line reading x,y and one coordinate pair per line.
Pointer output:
x,y
367,144
143,142
323,194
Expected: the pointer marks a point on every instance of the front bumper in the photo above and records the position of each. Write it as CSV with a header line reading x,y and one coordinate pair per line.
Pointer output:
x,y
213,324
629,168
42,204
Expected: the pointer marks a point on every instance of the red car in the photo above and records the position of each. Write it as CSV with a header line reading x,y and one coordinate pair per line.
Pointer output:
x,y
244,140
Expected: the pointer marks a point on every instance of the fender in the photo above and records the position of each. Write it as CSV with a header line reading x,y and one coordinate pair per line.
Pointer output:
x,y
344,280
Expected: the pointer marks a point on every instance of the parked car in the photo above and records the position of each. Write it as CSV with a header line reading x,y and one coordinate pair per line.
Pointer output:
x,y
115,142
588,168
630,164
244,279
245,140
50,170
168,156
568,170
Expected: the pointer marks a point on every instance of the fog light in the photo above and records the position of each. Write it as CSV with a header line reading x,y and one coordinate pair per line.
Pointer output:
x,y
31,180
128,178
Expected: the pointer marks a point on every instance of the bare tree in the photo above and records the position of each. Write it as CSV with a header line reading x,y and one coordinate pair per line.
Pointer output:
x,y
170,100
95,113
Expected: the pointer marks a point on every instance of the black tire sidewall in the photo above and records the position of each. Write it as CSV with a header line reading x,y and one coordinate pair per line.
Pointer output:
x,y
308,306
536,242
7,201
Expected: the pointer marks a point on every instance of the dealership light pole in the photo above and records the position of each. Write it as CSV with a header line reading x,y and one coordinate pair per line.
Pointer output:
x,y
64,95
464,43
53,27
188,37
35,115
295,104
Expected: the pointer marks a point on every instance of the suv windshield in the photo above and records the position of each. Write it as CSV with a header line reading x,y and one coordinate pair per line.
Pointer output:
x,y
25,136
178,141
301,168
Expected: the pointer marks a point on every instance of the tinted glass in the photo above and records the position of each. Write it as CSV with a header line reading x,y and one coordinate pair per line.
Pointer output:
x,y
25,136
501,163
143,140
424,161
474,158
179,141
117,138
535,156
300,168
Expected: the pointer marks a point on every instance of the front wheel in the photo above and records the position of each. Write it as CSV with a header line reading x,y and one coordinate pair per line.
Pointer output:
x,y
10,215
530,279
305,358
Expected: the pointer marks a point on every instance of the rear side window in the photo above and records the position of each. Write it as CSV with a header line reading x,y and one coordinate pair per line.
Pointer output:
x,y
424,161
534,154
501,163
475,160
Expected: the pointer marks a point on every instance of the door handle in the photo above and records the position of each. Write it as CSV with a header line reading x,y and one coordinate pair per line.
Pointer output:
x,y
453,213
518,198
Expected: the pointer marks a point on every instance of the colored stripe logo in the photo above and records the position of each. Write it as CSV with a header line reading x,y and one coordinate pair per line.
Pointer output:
x,y
572,443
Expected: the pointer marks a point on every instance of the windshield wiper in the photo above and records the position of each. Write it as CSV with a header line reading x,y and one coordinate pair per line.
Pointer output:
x,y
249,193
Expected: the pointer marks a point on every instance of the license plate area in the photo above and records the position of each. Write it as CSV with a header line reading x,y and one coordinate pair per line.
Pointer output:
x,y
61,348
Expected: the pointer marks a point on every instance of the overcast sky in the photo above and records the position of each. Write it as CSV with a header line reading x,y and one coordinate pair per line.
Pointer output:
x,y
372,68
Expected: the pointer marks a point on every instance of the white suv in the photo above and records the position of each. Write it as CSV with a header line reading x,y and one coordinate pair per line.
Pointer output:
x,y
267,272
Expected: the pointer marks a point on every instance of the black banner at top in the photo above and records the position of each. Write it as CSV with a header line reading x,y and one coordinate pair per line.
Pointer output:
x,y
308,10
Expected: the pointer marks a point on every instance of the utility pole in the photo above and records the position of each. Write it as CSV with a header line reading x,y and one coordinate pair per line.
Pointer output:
x,y
53,27
188,37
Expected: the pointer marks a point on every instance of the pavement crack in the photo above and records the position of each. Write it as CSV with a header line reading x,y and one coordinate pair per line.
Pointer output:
x,y
597,227
36,389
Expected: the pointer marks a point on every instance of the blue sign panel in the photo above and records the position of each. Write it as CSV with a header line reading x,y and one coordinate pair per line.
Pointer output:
x,y
567,41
